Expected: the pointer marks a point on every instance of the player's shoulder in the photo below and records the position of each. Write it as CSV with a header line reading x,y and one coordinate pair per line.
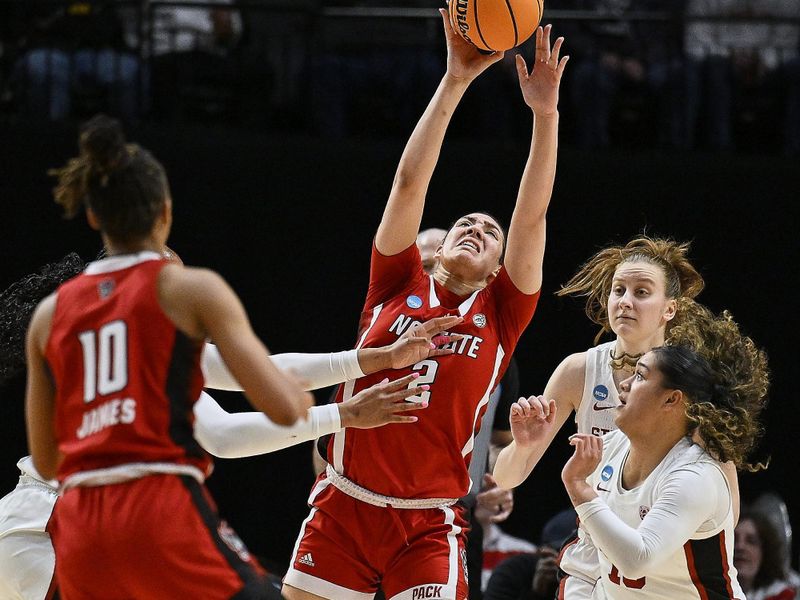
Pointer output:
x,y
572,370
567,381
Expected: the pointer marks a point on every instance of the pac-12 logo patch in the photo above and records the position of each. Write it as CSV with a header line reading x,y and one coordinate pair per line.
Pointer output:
x,y
479,320
414,301
643,510
600,393
606,473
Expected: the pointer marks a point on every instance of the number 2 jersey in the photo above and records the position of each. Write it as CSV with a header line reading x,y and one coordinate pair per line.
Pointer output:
x,y
669,537
126,379
429,458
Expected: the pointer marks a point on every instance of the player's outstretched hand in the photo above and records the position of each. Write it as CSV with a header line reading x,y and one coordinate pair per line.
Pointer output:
x,y
424,341
587,455
383,403
464,61
531,420
540,85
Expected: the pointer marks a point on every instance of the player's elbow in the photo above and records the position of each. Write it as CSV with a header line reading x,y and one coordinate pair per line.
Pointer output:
x,y
635,566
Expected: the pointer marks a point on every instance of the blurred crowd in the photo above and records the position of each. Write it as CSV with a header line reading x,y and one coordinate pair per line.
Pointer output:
x,y
716,74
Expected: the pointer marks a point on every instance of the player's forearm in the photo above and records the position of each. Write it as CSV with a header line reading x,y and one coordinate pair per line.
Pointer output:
x,y
514,464
422,150
403,214
237,435
315,370
536,185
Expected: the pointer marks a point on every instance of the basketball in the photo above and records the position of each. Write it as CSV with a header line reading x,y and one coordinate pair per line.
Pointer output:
x,y
495,25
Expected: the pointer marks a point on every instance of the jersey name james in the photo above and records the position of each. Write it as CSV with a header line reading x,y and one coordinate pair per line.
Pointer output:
x,y
127,378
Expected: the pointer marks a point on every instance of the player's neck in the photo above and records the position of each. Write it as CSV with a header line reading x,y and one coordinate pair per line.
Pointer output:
x,y
637,347
453,283
114,248
645,455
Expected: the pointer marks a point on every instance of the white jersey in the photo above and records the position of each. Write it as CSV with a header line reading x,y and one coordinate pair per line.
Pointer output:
x,y
27,559
670,537
595,414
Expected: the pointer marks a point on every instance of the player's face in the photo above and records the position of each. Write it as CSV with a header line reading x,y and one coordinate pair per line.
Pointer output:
x,y
640,397
638,307
746,550
472,248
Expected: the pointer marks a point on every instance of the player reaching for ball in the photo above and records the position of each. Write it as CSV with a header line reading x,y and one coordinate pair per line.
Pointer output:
x,y
382,513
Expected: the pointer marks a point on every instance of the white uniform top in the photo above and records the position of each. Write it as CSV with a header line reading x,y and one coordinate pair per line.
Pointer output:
x,y
29,505
595,414
27,559
670,537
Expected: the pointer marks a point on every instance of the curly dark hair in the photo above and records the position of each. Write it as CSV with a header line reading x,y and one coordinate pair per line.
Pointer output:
x,y
595,277
725,393
17,303
123,184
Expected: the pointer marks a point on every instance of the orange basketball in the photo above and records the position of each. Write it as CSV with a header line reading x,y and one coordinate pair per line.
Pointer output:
x,y
495,25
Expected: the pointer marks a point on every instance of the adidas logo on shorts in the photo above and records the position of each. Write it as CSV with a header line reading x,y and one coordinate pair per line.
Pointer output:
x,y
306,560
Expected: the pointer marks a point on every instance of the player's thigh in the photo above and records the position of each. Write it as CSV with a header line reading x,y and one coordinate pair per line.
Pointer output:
x,y
292,593
435,563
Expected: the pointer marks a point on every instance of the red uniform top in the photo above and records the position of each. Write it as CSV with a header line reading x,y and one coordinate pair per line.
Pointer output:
x,y
429,458
125,377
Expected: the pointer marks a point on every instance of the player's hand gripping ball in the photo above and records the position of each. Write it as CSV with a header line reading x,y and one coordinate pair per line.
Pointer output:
x,y
495,25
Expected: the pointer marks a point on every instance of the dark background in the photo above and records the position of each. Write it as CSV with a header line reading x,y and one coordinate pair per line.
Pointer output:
x,y
289,219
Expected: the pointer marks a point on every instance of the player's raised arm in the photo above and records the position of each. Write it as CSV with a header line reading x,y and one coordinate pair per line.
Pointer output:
x,y
526,233
403,214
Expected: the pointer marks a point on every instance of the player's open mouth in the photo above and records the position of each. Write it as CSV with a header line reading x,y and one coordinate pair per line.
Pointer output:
x,y
470,244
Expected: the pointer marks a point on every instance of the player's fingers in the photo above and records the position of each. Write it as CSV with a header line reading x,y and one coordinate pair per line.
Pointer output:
x,y
552,409
539,56
546,42
501,516
438,324
556,50
441,340
400,383
522,68
408,392
562,63
402,419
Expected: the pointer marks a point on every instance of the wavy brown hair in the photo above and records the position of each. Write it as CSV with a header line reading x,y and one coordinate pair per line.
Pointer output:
x,y
123,184
594,279
725,379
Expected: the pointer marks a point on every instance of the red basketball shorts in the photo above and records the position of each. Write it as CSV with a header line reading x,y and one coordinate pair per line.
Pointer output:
x,y
347,548
155,537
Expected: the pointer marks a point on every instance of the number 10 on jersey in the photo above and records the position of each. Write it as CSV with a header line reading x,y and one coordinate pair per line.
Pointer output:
x,y
105,360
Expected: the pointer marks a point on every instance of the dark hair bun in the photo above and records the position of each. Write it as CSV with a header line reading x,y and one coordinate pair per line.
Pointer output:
x,y
102,141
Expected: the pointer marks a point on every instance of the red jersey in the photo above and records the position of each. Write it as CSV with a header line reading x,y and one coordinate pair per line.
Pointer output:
x,y
126,379
429,458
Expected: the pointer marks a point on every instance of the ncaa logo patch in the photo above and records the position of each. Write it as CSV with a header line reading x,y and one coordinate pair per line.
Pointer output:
x,y
479,320
607,472
105,287
414,301
600,393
